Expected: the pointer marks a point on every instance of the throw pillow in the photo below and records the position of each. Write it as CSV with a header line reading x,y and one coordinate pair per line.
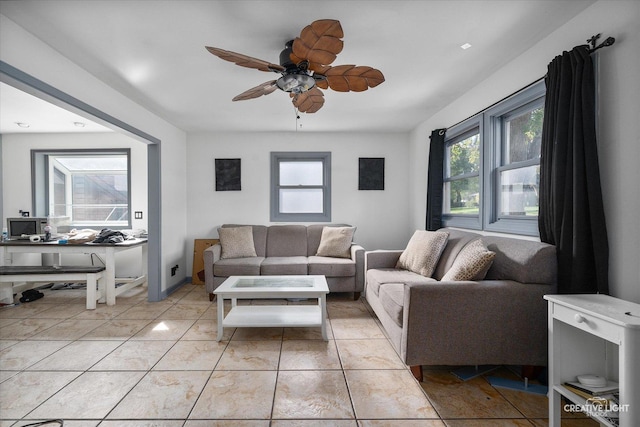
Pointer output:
x,y
423,252
336,242
472,263
236,242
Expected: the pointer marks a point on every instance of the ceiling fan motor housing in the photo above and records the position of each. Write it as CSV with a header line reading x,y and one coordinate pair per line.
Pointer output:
x,y
296,78
285,56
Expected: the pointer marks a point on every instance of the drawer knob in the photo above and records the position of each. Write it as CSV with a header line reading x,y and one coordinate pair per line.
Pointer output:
x,y
579,318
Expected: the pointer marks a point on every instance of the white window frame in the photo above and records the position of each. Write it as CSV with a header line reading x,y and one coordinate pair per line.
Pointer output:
x,y
490,123
302,156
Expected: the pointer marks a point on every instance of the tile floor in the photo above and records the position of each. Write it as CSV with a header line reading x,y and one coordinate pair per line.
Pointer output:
x,y
157,364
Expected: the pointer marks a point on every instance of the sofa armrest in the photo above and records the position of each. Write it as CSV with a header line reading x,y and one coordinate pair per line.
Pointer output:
x,y
211,255
357,255
486,322
381,258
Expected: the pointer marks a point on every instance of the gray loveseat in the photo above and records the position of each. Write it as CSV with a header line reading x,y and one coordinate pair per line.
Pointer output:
x,y
500,320
287,250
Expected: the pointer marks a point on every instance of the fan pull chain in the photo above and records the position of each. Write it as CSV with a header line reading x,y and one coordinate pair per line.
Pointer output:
x,y
297,118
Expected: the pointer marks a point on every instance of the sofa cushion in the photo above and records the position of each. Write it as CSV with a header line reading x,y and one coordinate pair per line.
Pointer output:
x,y
259,236
314,234
336,242
284,265
457,240
472,263
287,241
236,242
379,276
332,267
392,300
423,252
524,261
237,267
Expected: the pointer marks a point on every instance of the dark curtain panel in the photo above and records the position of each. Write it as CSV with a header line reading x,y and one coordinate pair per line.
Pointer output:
x,y
434,180
571,210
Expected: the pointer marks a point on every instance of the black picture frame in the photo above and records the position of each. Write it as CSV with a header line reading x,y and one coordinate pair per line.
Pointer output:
x,y
371,173
228,176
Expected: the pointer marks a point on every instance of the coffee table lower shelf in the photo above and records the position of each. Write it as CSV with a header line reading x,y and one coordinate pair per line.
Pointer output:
x,y
273,316
234,288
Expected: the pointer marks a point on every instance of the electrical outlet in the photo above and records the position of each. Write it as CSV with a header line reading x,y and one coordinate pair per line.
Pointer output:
x,y
137,215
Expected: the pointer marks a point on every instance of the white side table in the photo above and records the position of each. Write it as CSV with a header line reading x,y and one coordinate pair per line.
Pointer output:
x,y
594,334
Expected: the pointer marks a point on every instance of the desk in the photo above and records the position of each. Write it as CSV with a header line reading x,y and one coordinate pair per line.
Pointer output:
x,y
106,250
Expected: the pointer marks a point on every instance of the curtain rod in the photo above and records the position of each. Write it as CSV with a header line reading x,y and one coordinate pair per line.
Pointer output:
x,y
592,41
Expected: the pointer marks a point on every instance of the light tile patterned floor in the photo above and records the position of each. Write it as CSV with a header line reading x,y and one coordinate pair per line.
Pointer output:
x,y
157,364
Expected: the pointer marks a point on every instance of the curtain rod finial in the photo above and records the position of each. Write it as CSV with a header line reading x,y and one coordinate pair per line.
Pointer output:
x,y
592,41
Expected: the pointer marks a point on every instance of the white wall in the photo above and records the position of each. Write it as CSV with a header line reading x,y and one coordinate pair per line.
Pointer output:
x,y
33,56
381,217
619,125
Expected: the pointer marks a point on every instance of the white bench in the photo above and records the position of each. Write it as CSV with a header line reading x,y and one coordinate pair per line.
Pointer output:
x,y
34,275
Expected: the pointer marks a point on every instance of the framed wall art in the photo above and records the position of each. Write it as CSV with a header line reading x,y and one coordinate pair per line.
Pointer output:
x,y
371,173
228,175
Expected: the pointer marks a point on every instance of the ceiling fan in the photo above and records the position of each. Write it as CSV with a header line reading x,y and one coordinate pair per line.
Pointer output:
x,y
304,68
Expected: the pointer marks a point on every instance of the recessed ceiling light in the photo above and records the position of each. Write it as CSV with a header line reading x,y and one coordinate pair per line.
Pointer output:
x,y
22,124
465,46
78,124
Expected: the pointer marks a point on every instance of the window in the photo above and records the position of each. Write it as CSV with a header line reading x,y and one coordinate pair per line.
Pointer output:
x,y
492,166
462,176
300,186
519,171
83,189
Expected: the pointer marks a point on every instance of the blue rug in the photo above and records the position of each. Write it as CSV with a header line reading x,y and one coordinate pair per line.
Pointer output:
x,y
469,372
518,385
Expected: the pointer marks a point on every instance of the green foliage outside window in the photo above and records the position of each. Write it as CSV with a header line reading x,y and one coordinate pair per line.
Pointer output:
x,y
464,190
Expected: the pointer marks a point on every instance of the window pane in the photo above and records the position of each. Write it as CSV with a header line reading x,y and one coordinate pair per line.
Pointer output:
x,y
462,196
523,135
301,173
301,200
59,193
94,163
464,156
99,197
519,191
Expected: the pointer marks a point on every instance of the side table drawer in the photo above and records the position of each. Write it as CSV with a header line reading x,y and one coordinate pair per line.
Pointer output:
x,y
588,323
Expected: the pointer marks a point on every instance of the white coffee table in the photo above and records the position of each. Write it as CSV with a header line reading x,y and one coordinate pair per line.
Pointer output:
x,y
273,287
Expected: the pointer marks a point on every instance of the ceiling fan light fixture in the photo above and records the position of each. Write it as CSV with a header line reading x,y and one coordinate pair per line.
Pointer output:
x,y
296,83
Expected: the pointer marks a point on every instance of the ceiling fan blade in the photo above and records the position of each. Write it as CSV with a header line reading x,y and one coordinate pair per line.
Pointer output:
x,y
319,42
322,84
345,78
244,60
309,101
264,89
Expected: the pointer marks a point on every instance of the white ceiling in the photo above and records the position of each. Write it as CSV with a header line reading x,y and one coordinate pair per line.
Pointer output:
x,y
38,116
153,51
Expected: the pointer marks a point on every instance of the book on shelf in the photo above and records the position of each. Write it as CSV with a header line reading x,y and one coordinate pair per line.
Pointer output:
x,y
589,391
585,395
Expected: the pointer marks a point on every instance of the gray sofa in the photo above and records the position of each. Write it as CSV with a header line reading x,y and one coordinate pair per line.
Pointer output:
x,y
287,250
500,320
